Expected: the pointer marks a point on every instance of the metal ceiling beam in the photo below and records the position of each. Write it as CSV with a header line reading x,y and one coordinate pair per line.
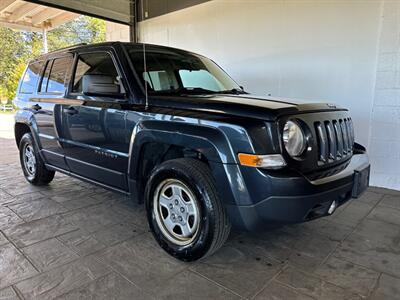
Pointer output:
x,y
22,11
22,15
19,26
62,18
5,4
44,15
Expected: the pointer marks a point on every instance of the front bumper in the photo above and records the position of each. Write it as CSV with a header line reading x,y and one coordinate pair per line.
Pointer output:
x,y
301,200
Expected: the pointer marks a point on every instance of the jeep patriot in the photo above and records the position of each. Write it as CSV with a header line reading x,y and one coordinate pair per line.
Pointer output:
x,y
172,130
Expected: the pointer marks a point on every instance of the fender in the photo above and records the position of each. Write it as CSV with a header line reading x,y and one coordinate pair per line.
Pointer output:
x,y
27,117
209,141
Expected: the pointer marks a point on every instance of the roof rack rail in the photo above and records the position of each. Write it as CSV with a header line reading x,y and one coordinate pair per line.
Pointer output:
x,y
40,57
72,46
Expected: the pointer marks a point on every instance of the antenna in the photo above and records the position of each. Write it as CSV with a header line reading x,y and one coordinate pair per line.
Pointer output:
x,y
145,63
145,72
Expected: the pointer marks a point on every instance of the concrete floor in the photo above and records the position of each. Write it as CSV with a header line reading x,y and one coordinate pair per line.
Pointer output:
x,y
72,240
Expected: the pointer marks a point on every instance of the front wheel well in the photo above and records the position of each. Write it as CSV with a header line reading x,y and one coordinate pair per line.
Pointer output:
x,y
19,130
153,154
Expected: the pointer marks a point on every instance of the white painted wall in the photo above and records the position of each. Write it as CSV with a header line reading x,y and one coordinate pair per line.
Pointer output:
x,y
117,32
312,49
385,127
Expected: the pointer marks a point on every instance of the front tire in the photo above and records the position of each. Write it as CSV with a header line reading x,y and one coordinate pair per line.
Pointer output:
x,y
185,214
32,164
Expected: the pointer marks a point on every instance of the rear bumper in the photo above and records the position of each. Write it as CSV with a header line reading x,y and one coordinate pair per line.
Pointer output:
x,y
300,200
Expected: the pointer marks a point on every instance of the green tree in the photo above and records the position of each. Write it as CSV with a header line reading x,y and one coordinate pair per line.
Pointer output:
x,y
13,52
81,30
3,93
14,78
20,47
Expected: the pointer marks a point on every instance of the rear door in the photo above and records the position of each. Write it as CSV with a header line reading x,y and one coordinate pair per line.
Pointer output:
x,y
48,103
94,132
27,89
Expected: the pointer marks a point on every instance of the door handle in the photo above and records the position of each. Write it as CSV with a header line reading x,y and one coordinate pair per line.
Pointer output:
x,y
71,110
36,107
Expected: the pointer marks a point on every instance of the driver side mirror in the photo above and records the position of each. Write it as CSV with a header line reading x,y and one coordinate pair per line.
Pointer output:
x,y
101,85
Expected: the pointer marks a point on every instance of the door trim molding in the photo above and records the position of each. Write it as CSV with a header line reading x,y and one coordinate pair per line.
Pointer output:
x,y
64,101
83,178
83,145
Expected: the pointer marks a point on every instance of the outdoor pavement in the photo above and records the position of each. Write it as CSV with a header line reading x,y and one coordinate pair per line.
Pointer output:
x,y
73,240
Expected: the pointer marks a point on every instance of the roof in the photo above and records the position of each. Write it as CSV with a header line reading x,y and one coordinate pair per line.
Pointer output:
x,y
111,43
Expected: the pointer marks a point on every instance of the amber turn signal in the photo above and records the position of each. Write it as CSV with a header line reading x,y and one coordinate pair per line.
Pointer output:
x,y
249,160
269,161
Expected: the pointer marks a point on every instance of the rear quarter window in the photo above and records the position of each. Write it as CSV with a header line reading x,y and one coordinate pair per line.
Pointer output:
x,y
30,79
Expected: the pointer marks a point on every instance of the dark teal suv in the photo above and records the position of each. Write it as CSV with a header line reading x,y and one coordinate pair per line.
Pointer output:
x,y
171,129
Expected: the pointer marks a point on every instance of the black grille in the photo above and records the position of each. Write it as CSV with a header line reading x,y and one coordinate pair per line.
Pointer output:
x,y
335,140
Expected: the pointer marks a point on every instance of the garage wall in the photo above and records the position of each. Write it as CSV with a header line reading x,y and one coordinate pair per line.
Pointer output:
x,y
385,130
312,49
117,32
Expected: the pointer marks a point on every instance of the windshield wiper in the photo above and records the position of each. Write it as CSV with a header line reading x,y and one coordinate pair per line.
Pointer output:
x,y
233,91
198,91
185,91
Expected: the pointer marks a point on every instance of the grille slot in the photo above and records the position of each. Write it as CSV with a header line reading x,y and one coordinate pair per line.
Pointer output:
x,y
345,139
332,140
323,146
335,139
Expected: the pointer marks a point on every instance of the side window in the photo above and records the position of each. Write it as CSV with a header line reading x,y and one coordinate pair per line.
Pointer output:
x,y
30,79
97,63
54,81
45,79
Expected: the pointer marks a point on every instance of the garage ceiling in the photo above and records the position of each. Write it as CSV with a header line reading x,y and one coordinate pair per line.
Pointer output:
x,y
119,11
37,15
23,15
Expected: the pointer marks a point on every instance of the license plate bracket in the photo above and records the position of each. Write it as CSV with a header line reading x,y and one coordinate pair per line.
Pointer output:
x,y
361,181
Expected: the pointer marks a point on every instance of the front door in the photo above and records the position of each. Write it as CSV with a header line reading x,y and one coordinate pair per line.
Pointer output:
x,y
94,133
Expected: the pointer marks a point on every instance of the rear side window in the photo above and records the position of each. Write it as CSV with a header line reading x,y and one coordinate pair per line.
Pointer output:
x,y
97,63
30,79
54,75
46,74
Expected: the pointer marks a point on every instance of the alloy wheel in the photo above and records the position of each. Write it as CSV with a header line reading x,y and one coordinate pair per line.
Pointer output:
x,y
176,211
29,160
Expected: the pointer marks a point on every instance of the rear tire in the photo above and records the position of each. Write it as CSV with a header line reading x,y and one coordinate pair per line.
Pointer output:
x,y
32,164
185,214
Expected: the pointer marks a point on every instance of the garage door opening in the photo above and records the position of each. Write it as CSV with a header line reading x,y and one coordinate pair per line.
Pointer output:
x,y
30,29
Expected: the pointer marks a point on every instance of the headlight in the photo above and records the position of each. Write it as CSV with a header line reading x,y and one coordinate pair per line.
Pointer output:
x,y
294,139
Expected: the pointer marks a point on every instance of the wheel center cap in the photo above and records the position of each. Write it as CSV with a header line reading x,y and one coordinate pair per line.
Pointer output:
x,y
178,210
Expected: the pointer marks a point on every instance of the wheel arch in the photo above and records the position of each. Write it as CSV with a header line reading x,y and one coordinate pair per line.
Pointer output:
x,y
19,130
154,142
25,122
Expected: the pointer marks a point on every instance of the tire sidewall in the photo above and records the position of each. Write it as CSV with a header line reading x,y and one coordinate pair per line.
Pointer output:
x,y
28,140
202,242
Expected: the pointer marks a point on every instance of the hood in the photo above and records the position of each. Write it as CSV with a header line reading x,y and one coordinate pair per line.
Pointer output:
x,y
247,106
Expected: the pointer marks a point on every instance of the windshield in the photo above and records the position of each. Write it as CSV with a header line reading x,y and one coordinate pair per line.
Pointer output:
x,y
179,72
